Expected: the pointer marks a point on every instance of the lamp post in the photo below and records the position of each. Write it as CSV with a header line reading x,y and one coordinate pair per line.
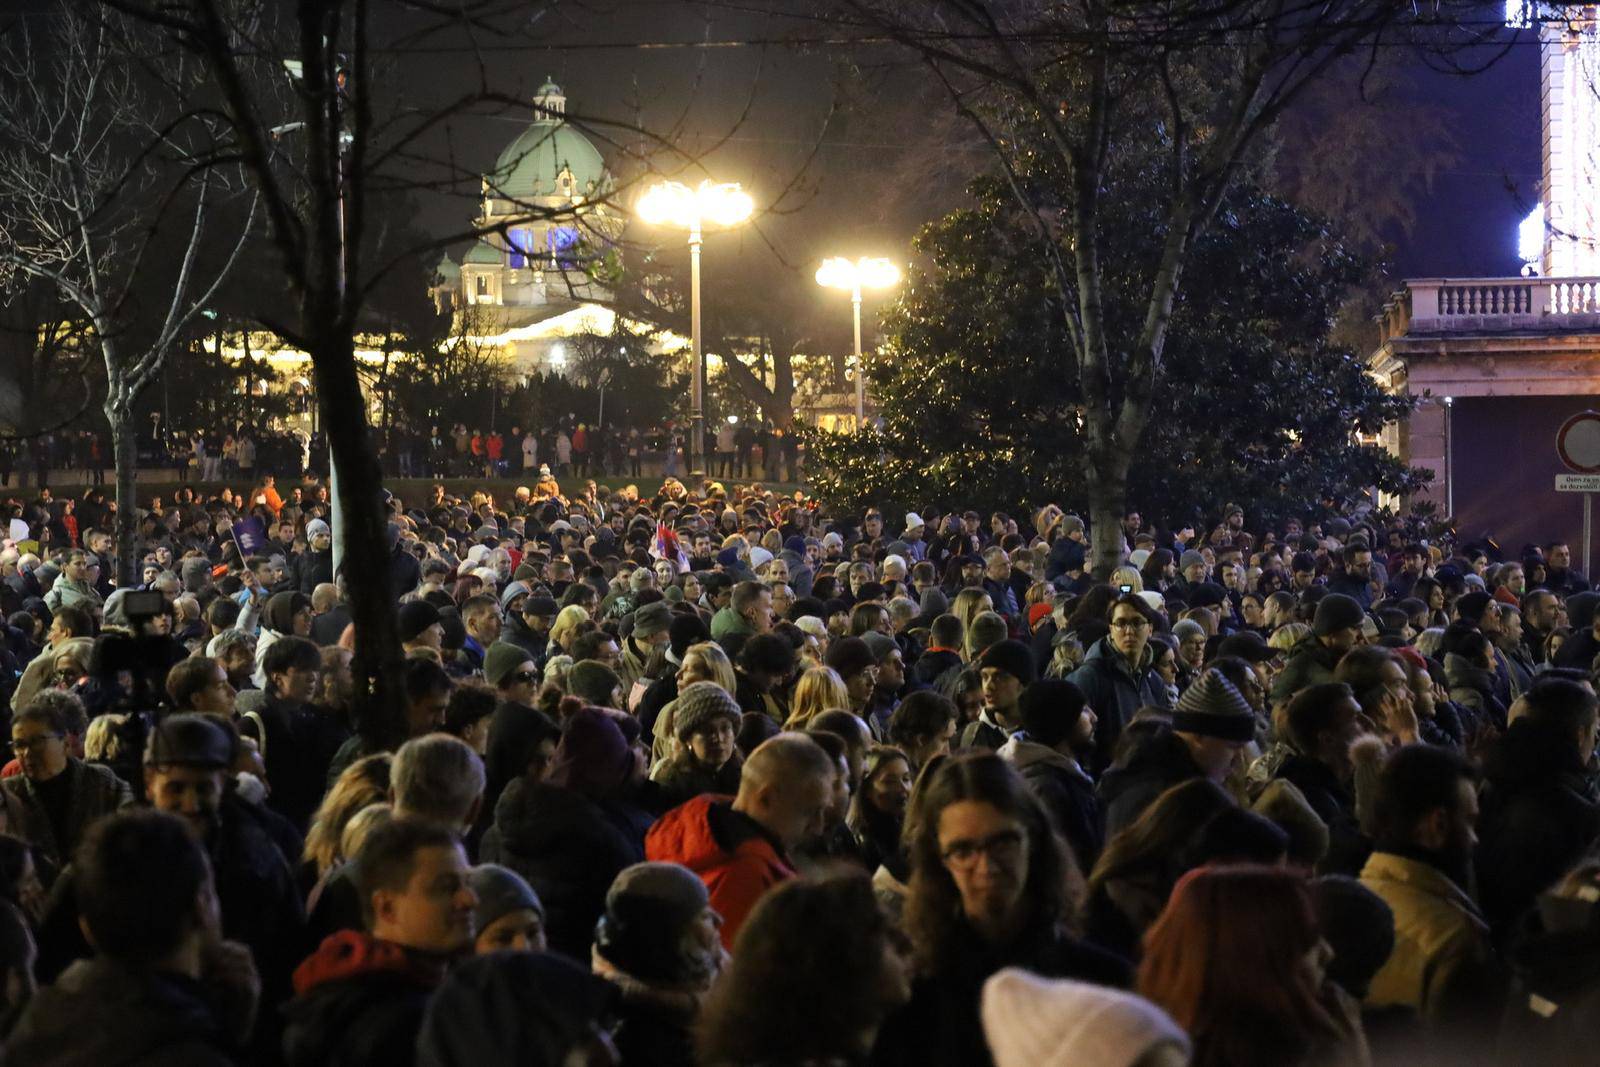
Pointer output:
x,y
852,276
675,204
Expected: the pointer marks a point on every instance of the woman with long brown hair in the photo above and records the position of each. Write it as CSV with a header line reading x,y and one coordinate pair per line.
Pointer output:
x,y
814,970
992,886
1237,960
1135,874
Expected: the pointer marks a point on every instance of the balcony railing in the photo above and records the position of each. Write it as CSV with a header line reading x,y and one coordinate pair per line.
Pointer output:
x,y
1491,305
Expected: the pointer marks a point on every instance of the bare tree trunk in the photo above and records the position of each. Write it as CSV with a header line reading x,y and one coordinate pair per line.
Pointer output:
x,y
1106,484
380,699
125,452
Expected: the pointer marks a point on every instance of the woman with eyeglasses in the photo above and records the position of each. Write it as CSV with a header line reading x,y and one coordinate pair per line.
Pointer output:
x,y
992,886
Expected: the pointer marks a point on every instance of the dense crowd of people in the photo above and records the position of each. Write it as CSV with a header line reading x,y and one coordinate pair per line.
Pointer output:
x,y
569,448
720,779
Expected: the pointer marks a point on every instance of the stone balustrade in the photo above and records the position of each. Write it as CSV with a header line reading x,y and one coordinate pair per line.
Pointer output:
x,y
1491,305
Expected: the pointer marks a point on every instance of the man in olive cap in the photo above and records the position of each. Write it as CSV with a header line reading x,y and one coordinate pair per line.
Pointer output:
x,y
1335,630
529,629
650,624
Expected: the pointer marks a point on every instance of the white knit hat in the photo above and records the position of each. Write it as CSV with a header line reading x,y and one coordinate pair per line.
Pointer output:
x,y
1040,1022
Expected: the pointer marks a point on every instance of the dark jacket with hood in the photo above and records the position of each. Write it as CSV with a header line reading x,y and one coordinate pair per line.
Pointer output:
x,y
1116,691
1310,662
569,848
298,750
1155,763
359,1003
1538,814
1474,687
1065,791
941,1027
1335,804
683,778
111,1014
519,633
313,568
1553,1013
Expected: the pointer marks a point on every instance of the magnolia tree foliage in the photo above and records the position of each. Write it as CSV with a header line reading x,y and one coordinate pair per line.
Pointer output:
x,y
1255,405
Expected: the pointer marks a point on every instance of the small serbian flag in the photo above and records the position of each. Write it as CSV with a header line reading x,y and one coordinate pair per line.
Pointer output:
x,y
666,546
250,535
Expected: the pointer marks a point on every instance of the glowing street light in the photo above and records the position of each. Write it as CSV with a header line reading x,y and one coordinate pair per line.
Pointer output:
x,y
854,275
675,204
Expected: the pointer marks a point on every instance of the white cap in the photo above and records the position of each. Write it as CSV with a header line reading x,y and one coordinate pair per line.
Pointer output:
x,y
814,626
901,560
1156,601
1138,557
1040,1022
759,557
913,520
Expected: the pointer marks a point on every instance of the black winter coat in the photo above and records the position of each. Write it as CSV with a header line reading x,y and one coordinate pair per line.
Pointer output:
x,y
1066,792
111,1015
1535,822
1553,1013
940,1027
1155,764
1335,805
569,848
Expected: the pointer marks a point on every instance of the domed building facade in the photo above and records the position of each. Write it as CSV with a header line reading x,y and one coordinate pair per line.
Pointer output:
x,y
530,283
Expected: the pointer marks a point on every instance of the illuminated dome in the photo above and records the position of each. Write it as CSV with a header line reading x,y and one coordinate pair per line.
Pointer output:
x,y
550,158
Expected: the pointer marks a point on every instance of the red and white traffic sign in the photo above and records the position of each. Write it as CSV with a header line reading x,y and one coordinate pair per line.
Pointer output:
x,y
1578,443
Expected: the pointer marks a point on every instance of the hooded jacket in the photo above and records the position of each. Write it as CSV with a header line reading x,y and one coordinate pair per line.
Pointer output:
x,y
1066,792
112,1014
569,848
1310,662
1553,1012
1155,764
1116,691
1473,687
519,633
1538,815
359,1003
733,855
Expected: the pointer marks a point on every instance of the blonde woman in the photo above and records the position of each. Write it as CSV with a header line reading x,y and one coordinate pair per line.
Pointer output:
x,y
364,782
1127,580
820,689
705,662
1288,635
968,605
565,628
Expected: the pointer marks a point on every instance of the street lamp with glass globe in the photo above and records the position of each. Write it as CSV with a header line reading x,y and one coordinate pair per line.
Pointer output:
x,y
675,204
853,275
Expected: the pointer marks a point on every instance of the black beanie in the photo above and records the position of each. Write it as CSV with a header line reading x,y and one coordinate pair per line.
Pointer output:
x,y
1337,612
1010,656
1359,925
1049,708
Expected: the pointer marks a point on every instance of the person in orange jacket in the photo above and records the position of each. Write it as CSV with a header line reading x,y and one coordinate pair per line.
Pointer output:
x,y
740,847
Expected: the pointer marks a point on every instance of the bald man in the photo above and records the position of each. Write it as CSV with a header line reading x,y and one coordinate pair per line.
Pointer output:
x,y
740,847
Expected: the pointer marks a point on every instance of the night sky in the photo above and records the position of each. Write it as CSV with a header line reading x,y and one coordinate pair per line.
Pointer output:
x,y
893,158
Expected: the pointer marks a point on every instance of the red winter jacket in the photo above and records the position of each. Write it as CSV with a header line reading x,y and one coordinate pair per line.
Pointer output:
x,y
732,853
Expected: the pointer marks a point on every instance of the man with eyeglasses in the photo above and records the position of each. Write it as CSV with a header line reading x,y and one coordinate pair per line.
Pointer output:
x,y
57,796
1118,675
